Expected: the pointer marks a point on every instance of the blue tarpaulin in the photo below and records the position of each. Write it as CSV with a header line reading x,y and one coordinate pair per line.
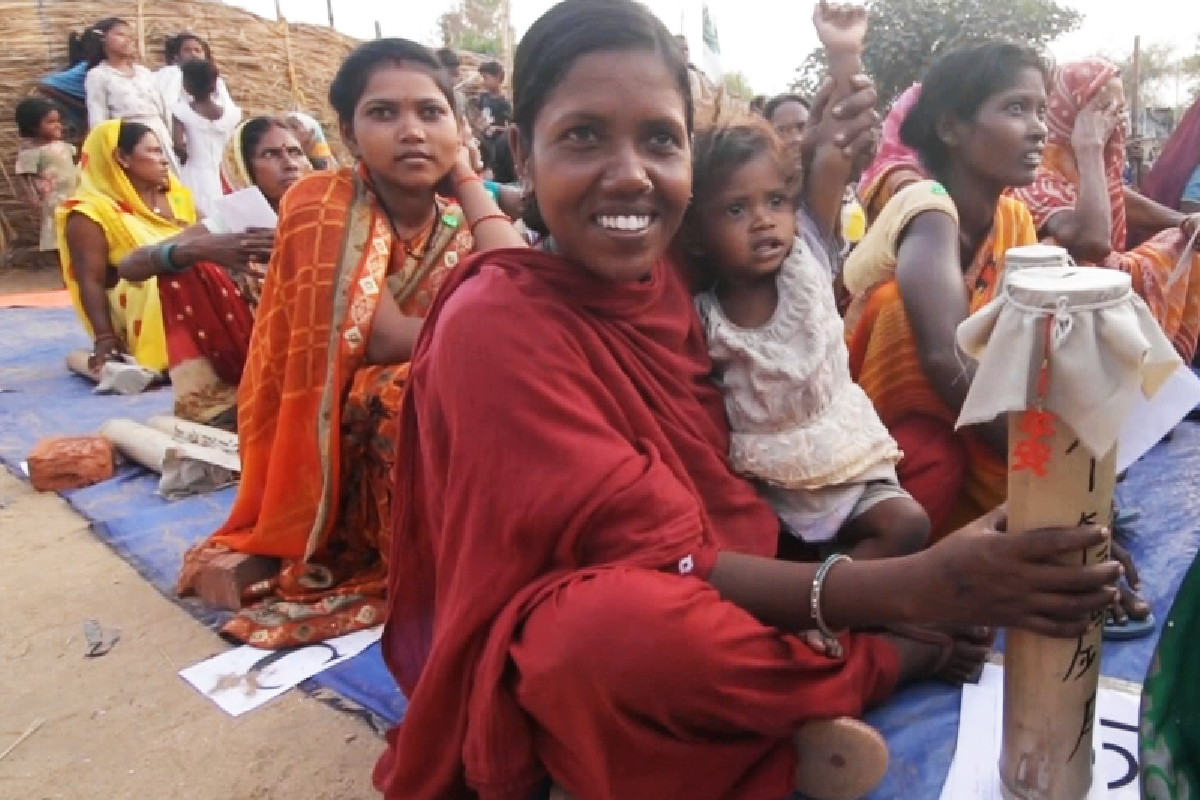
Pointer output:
x,y
39,398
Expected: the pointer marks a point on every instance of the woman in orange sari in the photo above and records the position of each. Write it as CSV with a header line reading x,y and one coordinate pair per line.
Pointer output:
x,y
358,258
933,256
1080,201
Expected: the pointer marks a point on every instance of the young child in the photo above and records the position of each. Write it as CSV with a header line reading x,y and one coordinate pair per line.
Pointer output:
x,y
45,167
802,429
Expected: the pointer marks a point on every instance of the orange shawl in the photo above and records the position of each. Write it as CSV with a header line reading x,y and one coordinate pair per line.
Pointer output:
x,y
307,395
884,360
1173,299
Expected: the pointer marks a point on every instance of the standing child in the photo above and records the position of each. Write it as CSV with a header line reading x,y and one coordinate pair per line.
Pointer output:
x,y
801,426
45,167
201,127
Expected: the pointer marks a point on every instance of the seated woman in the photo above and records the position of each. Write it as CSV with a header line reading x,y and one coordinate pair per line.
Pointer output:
x,y
127,198
209,284
932,257
359,255
1080,202
579,585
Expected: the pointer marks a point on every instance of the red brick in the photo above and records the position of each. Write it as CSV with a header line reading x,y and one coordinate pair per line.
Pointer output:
x,y
222,581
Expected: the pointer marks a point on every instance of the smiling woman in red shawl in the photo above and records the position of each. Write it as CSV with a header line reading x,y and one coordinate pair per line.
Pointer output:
x,y
579,586
1080,201
358,257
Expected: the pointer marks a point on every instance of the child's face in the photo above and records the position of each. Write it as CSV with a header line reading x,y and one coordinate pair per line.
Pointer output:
x,y
747,229
491,83
51,127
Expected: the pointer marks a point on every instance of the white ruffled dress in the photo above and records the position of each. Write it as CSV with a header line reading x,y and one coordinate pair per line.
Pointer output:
x,y
801,426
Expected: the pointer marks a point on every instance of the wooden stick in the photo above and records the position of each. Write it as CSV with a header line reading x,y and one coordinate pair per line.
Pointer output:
x,y
30,731
1050,685
1135,108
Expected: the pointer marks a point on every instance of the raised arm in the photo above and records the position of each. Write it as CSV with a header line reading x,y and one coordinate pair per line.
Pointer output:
x,y
1086,230
929,275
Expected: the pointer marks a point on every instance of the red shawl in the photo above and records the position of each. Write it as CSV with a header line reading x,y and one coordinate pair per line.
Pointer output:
x,y
545,434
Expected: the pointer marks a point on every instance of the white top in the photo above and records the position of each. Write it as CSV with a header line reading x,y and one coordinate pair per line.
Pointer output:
x,y
112,95
170,86
206,140
799,421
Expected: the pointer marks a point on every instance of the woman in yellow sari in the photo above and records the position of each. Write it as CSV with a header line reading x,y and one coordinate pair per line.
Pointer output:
x,y
359,256
127,198
934,255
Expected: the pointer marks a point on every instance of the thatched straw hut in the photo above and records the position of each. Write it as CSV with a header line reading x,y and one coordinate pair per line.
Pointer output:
x,y
269,66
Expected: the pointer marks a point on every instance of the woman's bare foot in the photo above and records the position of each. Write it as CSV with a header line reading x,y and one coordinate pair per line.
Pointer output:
x,y
839,759
953,653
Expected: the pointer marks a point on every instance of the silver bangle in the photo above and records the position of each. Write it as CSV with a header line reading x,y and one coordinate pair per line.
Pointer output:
x,y
818,589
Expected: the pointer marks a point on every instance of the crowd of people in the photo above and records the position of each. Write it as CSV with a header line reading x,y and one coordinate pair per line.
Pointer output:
x,y
556,384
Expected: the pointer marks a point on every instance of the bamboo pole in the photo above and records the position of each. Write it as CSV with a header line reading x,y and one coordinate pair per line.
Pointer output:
x,y
141,29
1050,685
1135,112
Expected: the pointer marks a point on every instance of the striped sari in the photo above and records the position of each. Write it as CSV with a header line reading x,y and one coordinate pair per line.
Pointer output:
x,y
885,362
316,423
1165,274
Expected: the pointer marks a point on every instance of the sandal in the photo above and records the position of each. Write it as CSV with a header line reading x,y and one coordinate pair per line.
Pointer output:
x,y
1130,629
945,641
839,759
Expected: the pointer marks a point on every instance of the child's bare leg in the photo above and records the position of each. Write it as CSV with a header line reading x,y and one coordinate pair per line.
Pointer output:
x,y
897,526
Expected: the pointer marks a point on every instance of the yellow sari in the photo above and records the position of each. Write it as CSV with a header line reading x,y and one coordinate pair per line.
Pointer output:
x,y
106,197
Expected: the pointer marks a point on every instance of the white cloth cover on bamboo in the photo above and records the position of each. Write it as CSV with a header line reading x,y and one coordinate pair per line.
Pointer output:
x,y
1104,348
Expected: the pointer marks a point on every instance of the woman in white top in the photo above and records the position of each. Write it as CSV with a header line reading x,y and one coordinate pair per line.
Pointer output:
x,y
200,131
179,50
118,87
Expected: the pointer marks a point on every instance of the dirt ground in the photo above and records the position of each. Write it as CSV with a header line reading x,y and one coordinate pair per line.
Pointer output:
x,y
126,725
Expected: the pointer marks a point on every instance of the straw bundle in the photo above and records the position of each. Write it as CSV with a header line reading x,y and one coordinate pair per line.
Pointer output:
x,y
269,66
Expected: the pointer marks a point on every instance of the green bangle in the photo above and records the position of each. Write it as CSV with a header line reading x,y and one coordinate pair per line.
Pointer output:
x,y
167,253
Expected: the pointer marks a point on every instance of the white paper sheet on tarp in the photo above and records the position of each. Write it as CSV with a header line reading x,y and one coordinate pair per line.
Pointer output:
x,y
1150,420
245,678
975,771
240,211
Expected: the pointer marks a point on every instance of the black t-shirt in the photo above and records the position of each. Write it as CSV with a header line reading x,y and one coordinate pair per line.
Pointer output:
x,y
494,109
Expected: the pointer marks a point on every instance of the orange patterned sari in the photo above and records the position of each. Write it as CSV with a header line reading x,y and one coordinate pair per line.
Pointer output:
x,y
884,361
317,425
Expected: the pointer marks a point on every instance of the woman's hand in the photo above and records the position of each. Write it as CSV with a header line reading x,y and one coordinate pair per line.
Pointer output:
x,y
850,124
1096,122
840,26
239,252
984,574
107,347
